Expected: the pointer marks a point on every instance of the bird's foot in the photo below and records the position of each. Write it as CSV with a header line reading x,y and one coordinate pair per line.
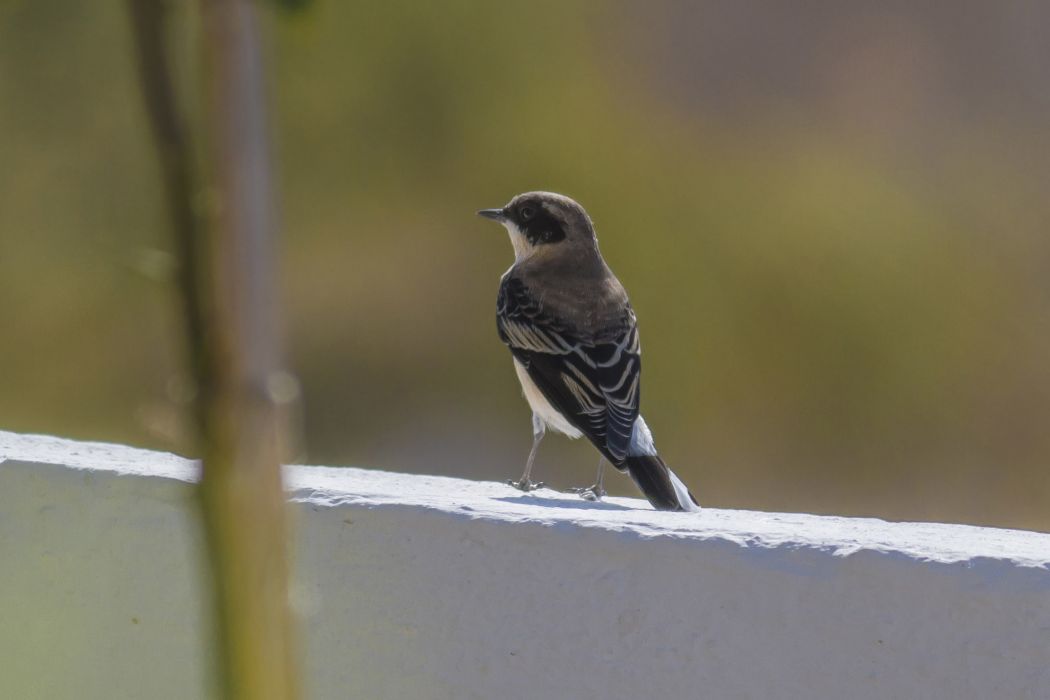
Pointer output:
x,y
526,485
590,493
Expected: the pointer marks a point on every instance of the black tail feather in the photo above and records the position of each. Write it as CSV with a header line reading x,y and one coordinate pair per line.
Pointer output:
x,y
656,482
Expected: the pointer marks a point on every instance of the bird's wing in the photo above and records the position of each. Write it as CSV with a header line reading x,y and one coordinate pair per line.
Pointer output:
x,y
591,380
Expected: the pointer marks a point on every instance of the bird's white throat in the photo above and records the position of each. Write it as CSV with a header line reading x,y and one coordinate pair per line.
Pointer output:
x,y
522,247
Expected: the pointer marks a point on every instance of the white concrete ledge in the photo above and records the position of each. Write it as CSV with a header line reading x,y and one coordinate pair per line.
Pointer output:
x,y
430,587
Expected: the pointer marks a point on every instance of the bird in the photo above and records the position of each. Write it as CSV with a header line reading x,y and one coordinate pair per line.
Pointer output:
x,y
573,337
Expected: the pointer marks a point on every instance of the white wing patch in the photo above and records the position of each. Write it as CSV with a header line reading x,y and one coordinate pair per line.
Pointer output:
x,y
585,398
525,336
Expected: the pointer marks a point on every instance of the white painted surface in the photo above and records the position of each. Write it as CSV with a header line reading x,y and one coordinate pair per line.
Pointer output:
x,y
429,587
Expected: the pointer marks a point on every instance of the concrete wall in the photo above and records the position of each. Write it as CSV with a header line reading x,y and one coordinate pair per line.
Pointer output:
x,y
427,587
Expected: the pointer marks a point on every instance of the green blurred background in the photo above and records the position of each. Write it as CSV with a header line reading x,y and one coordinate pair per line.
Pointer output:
x,y
832,219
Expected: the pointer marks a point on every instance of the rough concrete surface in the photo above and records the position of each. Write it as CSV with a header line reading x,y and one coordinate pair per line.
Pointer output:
x,y
431,587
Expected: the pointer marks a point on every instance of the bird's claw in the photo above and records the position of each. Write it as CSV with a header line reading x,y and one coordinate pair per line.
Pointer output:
x,y
590,493
526,485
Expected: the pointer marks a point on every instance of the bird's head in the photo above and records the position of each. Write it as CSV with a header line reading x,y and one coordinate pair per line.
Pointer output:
x,y
544,223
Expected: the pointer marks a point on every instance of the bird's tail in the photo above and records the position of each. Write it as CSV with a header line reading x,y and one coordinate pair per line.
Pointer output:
x,y
660,485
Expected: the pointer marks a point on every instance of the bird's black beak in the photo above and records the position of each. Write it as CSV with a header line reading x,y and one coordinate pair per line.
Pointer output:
x,y
494,214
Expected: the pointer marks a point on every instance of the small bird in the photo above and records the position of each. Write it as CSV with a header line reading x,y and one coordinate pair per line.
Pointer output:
x,y
574,339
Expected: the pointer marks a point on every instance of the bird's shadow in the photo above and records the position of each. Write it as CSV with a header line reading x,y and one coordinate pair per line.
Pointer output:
x,y
561,503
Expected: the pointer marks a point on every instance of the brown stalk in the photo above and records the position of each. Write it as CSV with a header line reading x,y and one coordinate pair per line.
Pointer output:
x,y
228,300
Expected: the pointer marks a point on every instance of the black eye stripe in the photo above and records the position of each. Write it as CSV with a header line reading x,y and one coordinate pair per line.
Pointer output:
x,y
540,226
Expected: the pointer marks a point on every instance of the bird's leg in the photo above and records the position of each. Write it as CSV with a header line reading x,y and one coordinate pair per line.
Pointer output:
x,y
597,491
525,483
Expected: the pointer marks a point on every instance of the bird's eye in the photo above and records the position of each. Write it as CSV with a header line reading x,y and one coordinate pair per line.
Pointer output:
x,y
526,213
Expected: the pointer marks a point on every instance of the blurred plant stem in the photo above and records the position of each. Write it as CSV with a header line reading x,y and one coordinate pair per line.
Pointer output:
x,y
226,289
